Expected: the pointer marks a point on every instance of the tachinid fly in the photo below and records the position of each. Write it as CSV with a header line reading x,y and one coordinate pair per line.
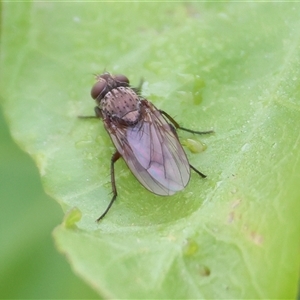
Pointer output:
x,y
143,135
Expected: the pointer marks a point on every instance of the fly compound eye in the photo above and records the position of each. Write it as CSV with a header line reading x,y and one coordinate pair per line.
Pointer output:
x,y
121,78
98,88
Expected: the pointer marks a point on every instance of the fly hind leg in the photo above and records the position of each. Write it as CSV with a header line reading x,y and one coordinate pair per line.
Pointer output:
x,y
198,172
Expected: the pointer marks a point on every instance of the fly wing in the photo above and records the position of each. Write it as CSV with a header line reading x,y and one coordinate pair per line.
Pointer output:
x,y
153,153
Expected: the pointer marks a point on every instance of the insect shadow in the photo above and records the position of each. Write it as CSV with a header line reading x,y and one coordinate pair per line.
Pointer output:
x,y
144,136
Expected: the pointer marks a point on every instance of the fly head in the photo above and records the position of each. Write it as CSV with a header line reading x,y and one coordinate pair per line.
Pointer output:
x,y
105,83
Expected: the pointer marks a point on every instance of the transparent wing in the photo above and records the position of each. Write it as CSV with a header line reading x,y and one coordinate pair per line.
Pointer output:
x,y
153,153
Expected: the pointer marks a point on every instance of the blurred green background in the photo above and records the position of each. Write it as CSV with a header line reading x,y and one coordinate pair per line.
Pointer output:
x,y
31,267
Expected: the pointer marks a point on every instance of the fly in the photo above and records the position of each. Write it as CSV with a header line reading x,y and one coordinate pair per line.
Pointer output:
x,y
144,136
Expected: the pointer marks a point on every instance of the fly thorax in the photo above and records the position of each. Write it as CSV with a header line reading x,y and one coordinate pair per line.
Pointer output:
x,y
121,103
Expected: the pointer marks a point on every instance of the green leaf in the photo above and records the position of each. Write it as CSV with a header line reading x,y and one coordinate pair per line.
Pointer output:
x,y
233,67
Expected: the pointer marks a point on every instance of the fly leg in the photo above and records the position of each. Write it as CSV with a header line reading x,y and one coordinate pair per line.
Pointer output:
x,y
177,126
192,167
198,172
114,158
139,87
98,114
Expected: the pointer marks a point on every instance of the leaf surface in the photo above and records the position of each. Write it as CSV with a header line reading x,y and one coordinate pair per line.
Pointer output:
x,y
233,67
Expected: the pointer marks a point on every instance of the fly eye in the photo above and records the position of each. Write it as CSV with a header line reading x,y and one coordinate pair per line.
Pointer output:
x,y
121,78
98,88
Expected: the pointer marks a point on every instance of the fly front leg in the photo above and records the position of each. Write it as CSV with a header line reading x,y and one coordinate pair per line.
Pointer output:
x,y
98,114
114,158
138,89
177,126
